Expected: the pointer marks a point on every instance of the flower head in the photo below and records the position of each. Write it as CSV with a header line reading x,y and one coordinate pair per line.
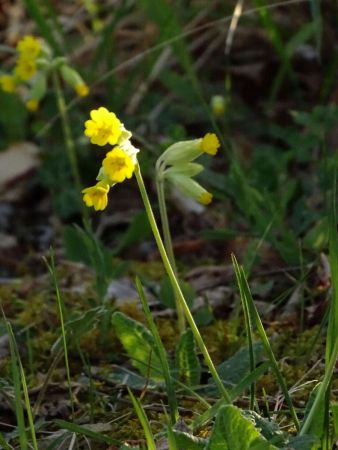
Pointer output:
x,y
96,196
7,83
118,165
210,144
25,68
29,47
103,127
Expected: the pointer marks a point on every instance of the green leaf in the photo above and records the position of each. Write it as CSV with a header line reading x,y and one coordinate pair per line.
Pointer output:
x,y
268,429
167,296
79,325
232,431
187,362
144,421
317,237
234,369
138,231
304,442
210,413
334,409
139,344
188,441
82,245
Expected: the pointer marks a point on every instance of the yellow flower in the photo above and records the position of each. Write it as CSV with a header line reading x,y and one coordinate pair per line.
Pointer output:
x,y
103,128
7,83
205,198
118,165
32,105
25,68
210,144
82,90
29,47
96,196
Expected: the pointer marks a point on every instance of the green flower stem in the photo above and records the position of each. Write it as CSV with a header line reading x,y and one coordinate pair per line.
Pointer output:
x,y
176,286
69,141
168,243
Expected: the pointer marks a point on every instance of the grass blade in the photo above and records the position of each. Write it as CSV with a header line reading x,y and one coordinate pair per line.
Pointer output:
x,y
4,443
74,428
17,389
245,290
144,421
34,9
27,403
161,353
249,333
331,353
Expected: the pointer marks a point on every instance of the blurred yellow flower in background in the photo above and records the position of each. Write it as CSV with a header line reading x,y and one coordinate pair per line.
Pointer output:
x,y
29,47
7,83
25,69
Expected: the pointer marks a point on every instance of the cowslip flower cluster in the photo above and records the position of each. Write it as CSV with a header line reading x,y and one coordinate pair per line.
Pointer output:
x,y
29,49
34,63
175,165
104,128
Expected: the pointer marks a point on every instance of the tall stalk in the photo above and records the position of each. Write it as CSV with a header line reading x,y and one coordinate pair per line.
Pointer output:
x,y
176,286
167,240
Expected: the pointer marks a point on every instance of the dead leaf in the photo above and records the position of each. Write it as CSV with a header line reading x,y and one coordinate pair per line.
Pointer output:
x,y
16,162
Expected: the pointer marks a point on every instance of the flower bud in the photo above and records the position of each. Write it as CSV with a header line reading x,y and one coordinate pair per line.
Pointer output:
x,y
37,92
185,151
182,152
190,188
217,104
189,169
71,77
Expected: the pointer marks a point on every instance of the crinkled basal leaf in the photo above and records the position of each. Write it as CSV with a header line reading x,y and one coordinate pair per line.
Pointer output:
x,y
139,344
187,362
232,431
269,430
188,441
79,325
305,442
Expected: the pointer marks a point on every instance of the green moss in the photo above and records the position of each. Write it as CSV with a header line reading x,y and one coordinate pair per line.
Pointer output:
x,y
220,339
153,270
